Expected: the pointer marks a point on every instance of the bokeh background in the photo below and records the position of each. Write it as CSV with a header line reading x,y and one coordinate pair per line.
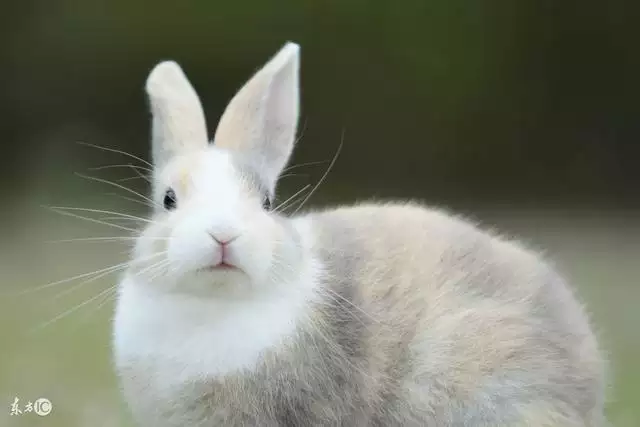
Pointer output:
x,y
522,115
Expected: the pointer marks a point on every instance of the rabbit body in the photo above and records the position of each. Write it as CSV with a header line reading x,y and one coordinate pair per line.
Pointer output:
x,y
387,314
412,318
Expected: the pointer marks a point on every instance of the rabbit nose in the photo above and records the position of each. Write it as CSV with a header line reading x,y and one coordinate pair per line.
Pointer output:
x,y
222,239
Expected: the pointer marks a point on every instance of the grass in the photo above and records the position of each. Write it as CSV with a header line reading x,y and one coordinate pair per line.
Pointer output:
x,y
69,362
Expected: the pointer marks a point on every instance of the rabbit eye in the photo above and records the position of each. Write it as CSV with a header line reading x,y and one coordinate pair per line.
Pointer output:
x,y
170,200
266,203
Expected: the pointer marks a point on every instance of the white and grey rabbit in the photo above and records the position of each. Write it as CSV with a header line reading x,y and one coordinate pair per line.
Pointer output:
x,y
379,314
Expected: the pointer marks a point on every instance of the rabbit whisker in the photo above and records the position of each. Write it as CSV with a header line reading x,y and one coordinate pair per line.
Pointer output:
x,y
286,175
113,150
115,184
128,165
336,350
72,310
97,221
337,295
103,274
299,165
109,296
119,214
329,293
124,219
131,178
283,205
158,265
131,199
112,268
139,175
105,239
333,161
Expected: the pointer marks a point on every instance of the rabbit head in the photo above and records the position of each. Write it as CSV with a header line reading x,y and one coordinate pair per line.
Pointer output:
x,y
212,228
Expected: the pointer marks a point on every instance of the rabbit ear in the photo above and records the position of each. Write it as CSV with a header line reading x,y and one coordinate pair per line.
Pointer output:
x,y
178,119
260,121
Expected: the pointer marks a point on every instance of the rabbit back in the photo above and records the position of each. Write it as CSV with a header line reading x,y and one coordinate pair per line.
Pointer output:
x,y
452,325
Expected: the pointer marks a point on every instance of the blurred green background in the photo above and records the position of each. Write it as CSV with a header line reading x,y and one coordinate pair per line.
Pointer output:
x,y
520,114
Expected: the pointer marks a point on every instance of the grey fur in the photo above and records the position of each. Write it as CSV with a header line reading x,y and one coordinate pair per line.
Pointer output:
x,y
478,332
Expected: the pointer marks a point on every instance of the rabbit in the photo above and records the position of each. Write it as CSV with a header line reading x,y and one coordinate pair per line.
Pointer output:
x,y
376,314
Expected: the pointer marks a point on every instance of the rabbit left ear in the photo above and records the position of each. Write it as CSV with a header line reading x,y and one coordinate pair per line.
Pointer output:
x,y
178,119
260,121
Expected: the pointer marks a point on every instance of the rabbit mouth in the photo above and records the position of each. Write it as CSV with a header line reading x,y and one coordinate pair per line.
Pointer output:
x,y
222,266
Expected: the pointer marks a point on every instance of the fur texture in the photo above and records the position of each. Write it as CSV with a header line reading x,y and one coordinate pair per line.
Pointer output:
x,y
369,315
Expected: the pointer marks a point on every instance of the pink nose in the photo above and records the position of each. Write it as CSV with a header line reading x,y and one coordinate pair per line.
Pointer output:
x,y
222,239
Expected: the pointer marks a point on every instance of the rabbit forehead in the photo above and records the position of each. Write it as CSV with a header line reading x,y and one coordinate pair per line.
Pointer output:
x,y
213,172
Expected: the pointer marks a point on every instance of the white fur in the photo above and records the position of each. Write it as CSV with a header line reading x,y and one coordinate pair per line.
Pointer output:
x,y
210,203
185,337
260,121
176,321
214,199
178,119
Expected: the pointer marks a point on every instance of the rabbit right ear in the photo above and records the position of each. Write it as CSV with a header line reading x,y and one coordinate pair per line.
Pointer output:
x,y
260,121
178,119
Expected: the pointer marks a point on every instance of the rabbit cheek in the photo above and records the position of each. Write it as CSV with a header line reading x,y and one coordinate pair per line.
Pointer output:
x,y
278,255
189,249
150,242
